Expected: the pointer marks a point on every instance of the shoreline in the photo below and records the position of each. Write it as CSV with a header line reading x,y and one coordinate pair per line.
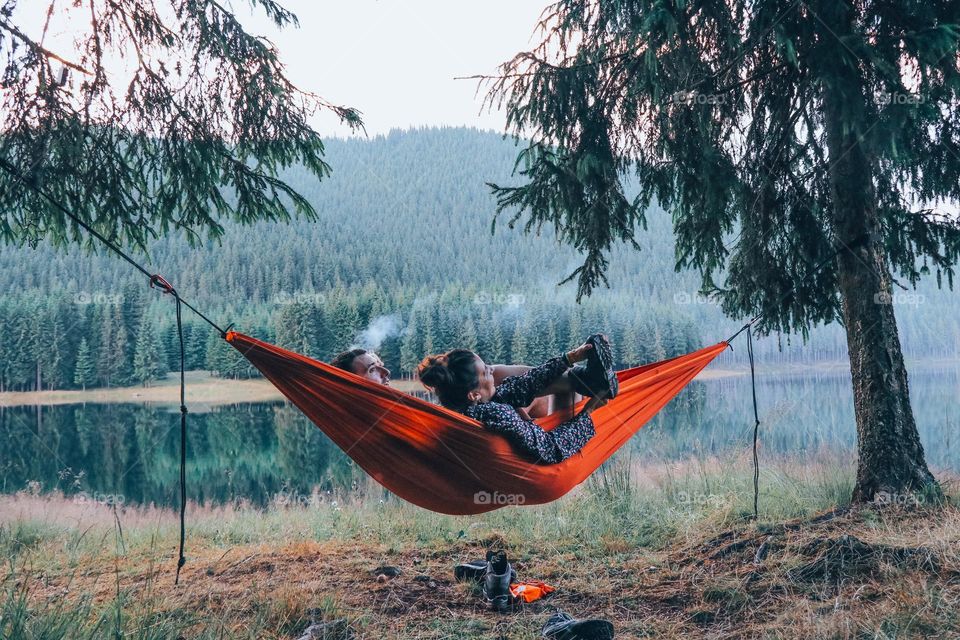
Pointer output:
x,y
205,391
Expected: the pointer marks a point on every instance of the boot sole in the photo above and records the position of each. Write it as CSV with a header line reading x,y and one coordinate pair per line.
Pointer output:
x,y
604,358
476,572
471,572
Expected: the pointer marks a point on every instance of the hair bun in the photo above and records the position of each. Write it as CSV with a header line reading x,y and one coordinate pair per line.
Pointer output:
x,y
451,376
433,371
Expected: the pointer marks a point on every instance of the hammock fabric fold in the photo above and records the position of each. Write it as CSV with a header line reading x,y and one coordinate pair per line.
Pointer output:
x,y
444,461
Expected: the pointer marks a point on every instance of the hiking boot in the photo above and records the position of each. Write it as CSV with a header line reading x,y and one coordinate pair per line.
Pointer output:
x,y
597,377
563,626
496,581
476,571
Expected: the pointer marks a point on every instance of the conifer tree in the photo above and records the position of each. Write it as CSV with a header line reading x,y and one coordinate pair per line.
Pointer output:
x,y
149,357
194,346
630,353
518,343
496,345
88,138
468,335
803,150
411,351
85,371
429,330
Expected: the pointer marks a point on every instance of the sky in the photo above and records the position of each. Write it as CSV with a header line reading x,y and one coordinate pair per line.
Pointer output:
x,y
396,60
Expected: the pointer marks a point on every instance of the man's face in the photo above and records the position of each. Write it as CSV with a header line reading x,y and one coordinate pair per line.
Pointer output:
x,y
371,367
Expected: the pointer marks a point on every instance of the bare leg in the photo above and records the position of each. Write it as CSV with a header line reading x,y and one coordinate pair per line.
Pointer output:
x,y
558,396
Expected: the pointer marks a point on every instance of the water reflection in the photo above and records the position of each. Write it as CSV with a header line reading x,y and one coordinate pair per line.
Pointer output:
x,y
254,452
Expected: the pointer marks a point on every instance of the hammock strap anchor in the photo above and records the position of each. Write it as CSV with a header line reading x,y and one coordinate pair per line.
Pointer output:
x,y
756,426
156,282
748,327
159,282
756,413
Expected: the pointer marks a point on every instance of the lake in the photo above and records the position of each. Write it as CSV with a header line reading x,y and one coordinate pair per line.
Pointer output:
x,y
255,453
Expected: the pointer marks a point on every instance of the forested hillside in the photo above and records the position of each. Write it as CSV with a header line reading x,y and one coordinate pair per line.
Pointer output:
x,y
402,257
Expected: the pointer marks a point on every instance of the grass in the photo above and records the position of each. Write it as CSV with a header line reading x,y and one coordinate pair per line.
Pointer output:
x,y
661,551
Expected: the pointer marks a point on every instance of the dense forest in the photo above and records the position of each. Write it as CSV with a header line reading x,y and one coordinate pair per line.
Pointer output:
x,y
401,257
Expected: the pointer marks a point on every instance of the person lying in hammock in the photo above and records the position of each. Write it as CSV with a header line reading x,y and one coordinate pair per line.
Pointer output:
x,y
364,363
560,395
464,383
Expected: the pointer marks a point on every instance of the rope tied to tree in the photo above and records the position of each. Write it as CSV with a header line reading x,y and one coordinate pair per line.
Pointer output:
x,y
748,327
159,282
756,425
156,281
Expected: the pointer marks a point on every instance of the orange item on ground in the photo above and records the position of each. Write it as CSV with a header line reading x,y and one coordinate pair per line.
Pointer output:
x,y
444,461
530,590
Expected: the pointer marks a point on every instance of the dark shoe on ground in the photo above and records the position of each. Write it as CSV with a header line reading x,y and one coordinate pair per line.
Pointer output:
x,y
476,571
563,626
597,377
496,581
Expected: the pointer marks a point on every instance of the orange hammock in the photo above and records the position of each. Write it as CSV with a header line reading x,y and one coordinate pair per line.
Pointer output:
x,y
442,460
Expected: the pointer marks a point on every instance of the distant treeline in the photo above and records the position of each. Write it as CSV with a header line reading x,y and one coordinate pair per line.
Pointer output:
x,y
58,342
404,232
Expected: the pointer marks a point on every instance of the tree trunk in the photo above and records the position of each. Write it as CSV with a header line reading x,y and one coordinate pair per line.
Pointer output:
x,y
890,455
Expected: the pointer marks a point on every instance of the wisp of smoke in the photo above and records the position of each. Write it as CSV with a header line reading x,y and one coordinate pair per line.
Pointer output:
x,y
379,329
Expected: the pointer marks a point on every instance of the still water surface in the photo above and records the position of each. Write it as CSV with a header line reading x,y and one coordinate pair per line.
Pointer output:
x,y
255,452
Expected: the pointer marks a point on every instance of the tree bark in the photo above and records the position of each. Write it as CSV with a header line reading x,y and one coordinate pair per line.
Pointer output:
x,y
891,460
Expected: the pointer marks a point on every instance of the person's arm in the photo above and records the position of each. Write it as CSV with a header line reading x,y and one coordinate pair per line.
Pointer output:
x,y
521,390
546,447
503,371
543,404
